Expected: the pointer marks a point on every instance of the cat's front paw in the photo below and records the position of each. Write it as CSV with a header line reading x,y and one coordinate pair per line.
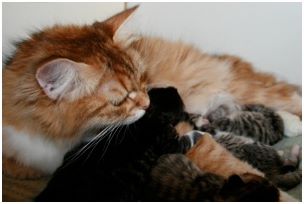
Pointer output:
x,y
292,124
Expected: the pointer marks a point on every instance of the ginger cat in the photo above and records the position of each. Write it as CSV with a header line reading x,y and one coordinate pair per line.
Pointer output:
x,y
61,82
66,80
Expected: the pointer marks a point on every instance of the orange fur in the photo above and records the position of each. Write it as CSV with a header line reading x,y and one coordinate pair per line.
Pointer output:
x,y
17,170
210,156
106,75
200,77
183,127
107,72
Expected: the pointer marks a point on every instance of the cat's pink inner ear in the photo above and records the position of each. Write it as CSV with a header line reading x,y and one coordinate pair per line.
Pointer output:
x,y
115,22
56,77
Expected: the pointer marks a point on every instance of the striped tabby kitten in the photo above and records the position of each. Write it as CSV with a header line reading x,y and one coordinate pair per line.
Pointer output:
x,y
281,171
246,134
255,121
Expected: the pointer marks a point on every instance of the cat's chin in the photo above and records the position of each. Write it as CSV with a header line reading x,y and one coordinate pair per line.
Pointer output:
x,y
136,116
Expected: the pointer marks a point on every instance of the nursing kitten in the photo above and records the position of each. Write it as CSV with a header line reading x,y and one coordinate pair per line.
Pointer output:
x,y
283,172
176,178
65,80
207,150
138,167
240,133
252,120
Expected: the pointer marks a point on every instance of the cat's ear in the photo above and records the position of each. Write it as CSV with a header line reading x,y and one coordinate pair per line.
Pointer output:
x,y
115,22
60,78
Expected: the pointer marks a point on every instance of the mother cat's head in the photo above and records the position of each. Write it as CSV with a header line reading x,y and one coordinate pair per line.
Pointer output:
x,y
68,78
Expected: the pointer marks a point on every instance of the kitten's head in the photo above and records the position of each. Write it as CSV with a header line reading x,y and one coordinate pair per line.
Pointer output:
x,y
249,188
166,105
66,77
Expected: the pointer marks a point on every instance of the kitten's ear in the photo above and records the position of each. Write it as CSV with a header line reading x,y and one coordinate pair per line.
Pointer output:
x,y
59,78
116,21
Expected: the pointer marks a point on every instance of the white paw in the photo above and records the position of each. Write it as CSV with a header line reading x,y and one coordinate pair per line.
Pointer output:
x,y
295,153
200,121
280,152
292,124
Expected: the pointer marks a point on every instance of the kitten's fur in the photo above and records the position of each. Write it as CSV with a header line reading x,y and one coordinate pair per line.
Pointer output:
x,y
133,171
284,174
66,79
255,121
208,150
176,178
246,132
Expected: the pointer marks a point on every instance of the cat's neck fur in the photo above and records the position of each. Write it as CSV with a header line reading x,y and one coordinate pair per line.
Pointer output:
x,y
34,150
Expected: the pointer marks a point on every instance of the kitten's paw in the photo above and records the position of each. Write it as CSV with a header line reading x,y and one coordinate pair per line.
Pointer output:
x,y
292,159
200,121
296,153
292,124
280,152
203,124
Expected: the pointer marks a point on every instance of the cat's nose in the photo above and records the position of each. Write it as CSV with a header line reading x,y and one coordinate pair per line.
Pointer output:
x,y
141,99
145,103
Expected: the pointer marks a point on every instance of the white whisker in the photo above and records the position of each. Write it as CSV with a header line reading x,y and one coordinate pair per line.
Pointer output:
x,y
101,135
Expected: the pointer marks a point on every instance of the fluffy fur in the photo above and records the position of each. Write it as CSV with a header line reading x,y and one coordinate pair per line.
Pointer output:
x,y
139,168
255,121
206,81
246,133
65,80
61,82
208,150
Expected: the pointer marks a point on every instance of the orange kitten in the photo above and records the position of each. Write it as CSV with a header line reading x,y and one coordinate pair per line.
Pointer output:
x,y
207,151
210,156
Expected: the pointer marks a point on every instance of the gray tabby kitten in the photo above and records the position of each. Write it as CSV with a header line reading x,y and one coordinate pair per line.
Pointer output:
x,y
246,134
255,121
281,170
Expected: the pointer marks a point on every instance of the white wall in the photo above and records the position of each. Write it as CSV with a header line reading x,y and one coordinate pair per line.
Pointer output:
x,y
266,34
20,19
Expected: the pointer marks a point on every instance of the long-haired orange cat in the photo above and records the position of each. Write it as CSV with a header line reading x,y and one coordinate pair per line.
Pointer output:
x,y
65,80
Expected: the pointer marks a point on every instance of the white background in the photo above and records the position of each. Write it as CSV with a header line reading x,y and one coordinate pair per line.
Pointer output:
x,y
21,19
266,34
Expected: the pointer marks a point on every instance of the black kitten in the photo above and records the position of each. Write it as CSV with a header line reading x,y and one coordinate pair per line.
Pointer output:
x,y
144,166
120,171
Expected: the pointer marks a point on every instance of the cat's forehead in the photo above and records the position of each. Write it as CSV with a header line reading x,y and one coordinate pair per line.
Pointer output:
x,y
85,44
122,80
